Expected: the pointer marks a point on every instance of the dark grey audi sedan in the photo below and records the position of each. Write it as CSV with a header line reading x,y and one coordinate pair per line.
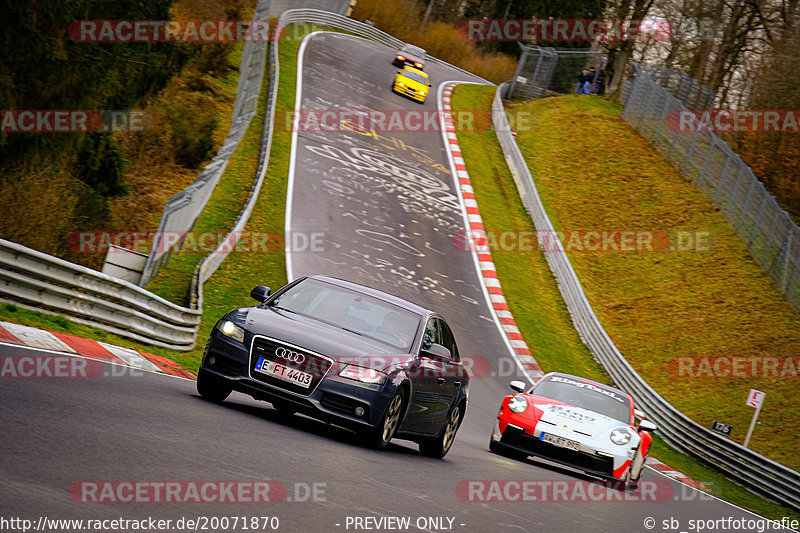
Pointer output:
x,y
346,354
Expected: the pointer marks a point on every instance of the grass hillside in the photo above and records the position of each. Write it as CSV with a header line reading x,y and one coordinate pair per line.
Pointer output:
x,y
533,294
595,173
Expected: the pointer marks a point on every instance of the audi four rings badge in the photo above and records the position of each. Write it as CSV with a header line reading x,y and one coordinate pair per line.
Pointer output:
x,y
290,355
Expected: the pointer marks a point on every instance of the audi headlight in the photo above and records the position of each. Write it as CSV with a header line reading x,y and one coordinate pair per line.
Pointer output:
x,y
518,404
231,330
401,84
362,374
401,58
418,65
620,436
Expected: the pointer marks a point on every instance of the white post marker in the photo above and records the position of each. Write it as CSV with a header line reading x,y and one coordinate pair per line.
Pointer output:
x,y
754,399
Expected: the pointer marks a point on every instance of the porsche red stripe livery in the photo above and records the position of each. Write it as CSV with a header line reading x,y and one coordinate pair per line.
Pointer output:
x,y
575,422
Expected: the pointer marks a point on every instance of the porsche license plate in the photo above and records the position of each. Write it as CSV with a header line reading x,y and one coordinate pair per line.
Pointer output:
x,y
279,371
561,441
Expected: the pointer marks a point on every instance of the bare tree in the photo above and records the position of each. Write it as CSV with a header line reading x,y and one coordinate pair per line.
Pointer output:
x,y
620,53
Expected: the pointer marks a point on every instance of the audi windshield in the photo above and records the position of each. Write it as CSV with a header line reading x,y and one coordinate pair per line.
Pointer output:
x,y
352,311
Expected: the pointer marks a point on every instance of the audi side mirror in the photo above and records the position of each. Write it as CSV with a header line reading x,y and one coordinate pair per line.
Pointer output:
x,y
436,350
260,293
517,386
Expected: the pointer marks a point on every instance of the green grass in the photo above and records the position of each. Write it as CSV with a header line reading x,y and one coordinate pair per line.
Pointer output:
x,y
716,483
538,309
593,171
661,305
533,296
230,286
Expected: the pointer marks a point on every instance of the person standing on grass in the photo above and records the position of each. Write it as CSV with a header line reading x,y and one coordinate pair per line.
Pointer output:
x,y
592,81
583,82
600,83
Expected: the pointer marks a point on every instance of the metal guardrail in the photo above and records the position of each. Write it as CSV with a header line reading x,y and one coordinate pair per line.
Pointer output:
x,y
182,210
40,281
340,22
211,262
768,477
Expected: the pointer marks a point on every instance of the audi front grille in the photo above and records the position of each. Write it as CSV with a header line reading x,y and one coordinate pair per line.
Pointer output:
x,y
291,357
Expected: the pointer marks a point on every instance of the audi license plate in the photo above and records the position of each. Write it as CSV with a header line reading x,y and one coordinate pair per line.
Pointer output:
x,y
561,441
279,371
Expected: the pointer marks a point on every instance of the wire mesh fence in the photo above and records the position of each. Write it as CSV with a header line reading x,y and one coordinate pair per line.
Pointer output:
x,y
654,100
766,229
691,92
544,71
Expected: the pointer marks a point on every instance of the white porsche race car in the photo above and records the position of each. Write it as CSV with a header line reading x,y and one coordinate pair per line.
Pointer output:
x,y
575,422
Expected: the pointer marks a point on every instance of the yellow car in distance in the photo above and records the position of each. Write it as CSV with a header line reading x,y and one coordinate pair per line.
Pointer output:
x,y
413,83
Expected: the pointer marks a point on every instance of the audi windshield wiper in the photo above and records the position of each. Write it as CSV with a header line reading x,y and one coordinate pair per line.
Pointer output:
x,y
351,330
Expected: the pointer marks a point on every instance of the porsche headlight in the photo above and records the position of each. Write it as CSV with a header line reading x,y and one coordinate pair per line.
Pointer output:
x,y
231,330
401,84
518,403
418,65
620,436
